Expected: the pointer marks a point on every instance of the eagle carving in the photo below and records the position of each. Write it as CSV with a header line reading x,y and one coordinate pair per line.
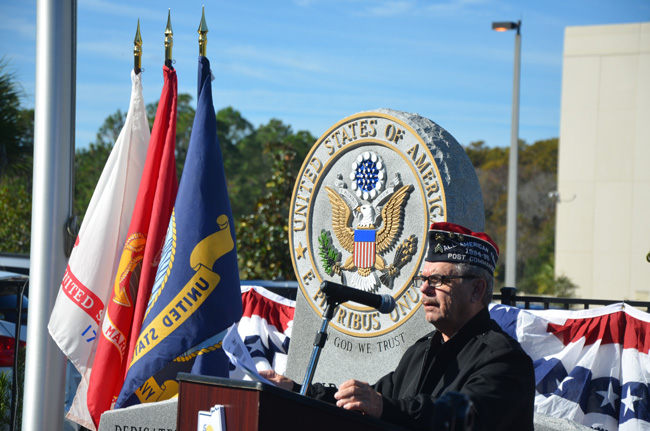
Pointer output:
x,y
376,231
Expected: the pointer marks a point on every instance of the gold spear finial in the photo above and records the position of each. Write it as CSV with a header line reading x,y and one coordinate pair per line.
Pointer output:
x,y
203,34
169,40
137,50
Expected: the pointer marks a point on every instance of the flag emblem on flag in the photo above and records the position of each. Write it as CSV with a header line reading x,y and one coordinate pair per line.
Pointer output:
x,y
190,297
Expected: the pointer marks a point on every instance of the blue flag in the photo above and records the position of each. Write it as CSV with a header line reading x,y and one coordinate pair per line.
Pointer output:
x,y
196,295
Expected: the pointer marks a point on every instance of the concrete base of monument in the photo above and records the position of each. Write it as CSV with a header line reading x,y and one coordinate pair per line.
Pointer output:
x,y
160,416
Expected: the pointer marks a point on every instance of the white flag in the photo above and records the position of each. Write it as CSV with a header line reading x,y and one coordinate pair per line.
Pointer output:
x,y
77,315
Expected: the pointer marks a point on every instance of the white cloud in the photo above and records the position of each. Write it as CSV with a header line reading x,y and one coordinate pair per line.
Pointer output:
x,y
305,3
127,10
106,49
295,60
392,8
20,27
455,7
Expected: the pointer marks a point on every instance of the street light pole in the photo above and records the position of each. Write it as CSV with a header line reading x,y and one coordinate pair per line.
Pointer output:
x,y
511,227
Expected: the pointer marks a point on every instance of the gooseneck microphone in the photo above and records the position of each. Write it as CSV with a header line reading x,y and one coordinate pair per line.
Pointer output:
x,y
340,293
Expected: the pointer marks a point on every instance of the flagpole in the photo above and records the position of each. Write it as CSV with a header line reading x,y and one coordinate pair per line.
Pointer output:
x,y
54,108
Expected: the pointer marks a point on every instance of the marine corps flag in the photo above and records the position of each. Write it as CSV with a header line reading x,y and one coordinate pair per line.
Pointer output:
x,y
196,295
75,322
140,256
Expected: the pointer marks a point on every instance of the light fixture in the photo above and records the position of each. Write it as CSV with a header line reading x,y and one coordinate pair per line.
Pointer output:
x,y
505,26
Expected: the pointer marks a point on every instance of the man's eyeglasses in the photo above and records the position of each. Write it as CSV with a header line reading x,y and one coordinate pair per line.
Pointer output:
x,y
437,280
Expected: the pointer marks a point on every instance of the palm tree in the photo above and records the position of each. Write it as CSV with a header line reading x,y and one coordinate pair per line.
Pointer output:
x,y
16,127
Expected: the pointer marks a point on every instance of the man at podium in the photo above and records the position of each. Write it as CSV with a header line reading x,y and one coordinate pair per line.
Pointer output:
x,y
466,353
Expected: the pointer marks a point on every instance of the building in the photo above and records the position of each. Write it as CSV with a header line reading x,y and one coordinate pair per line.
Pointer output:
x,y
603,210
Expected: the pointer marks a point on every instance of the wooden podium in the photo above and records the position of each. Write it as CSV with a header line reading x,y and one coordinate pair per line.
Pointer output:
x,y
253,406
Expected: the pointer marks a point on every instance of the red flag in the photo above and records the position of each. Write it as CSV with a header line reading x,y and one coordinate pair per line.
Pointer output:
x,y
140,256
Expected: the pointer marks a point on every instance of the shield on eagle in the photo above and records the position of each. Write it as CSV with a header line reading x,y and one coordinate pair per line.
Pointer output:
x,y
364,247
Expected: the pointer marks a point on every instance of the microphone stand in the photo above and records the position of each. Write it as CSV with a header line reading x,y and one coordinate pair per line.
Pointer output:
x,y
319,343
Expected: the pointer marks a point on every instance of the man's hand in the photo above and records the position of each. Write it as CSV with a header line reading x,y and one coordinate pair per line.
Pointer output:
x,y
356,395
279,380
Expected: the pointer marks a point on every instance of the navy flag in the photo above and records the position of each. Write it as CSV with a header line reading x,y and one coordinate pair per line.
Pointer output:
x,y
196,295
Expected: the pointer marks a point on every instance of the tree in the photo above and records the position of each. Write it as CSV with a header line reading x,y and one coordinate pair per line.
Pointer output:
x,y
537,176
262,237
16,148
89,162
536,221
16,127
110,130
184,120
15,214
242,160
88,166
5,394
260,165
249,156
491,165
232,128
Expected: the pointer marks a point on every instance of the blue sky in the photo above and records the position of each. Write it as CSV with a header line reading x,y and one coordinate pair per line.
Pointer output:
x,y
311,63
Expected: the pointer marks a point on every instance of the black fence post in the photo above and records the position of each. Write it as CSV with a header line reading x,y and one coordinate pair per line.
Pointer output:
x,y
509,296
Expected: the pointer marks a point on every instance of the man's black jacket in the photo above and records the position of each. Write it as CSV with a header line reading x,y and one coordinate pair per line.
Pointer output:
x,y
480,361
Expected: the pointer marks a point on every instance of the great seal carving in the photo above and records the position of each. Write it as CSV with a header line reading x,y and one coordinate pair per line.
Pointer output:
x,y
364,197
360,210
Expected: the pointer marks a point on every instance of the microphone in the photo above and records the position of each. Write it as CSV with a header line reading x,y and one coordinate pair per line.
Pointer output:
x,y
340,293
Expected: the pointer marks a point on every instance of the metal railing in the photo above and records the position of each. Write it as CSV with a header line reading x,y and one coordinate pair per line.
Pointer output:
x,y
509,296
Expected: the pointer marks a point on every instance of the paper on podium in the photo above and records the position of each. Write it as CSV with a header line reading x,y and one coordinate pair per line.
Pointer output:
x,y
214,420
239,356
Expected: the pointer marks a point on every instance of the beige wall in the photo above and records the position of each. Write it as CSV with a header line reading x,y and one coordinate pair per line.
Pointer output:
x,y
603,213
